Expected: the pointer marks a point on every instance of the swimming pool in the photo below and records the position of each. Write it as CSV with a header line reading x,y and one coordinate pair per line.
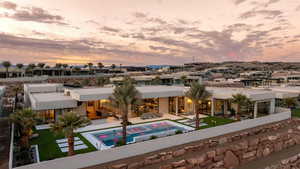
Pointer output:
x,y
104,139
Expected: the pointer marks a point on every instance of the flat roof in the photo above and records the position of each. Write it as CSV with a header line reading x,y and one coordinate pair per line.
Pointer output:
x,y
291,89
42,87
253,94
45,101
89,94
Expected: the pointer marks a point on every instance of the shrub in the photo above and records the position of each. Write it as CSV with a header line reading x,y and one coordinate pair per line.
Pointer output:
x,y
178,132
153,137
120,143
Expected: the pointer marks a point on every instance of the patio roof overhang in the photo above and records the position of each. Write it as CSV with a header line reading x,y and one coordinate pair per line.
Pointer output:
x,y
50,101
284,95
91,94
254,95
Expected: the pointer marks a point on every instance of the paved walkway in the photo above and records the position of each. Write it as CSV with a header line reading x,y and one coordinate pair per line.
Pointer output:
x,y
102,124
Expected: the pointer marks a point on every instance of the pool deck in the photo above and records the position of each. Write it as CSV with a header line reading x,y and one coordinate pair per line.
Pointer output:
x,y
103,123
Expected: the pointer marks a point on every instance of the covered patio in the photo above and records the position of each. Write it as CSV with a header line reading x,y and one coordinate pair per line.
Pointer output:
x,y
262,102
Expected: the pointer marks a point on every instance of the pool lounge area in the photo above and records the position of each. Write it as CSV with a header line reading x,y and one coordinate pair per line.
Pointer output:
x,y
108,138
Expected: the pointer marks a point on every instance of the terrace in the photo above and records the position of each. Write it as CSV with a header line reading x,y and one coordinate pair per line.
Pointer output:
x,y
49,148
174,113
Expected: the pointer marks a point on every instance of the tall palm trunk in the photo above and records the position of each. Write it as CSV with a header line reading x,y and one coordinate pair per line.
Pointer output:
x,y
24,141
197,116
7,72
71,145
124,125
237,112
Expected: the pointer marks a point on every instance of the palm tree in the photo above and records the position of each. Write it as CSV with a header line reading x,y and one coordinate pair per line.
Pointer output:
x,y
77,70
31,67
240,100
101,81
113,66
290,102
66,124
198,94
183,79
16,90
100,65
123,97
20,66
65,68
24,120
156,81
58,66
90,65
6,64
41,66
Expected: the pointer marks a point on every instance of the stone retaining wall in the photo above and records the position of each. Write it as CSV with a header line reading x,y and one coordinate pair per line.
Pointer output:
x,y
224,152
290,163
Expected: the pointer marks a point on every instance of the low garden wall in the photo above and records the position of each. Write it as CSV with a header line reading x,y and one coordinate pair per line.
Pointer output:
x,y
100,157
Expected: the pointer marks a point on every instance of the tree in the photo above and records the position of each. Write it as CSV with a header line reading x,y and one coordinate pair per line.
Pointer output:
x,y
113,66
31,67
156,81
58,66
24,121
123,97
101,81
290,102
198,94
183,79
100,65
6,64
41,66
240,100
65,68
77,69
90,65
66,124
20,66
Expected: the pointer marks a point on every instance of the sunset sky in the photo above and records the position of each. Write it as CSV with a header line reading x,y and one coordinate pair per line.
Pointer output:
x,y
144,32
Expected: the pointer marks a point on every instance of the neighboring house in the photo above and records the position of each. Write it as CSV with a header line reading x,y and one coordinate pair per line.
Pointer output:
x,y
51,100
2,90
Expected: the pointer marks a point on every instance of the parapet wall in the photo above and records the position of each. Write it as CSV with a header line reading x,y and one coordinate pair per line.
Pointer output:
x,y
224,152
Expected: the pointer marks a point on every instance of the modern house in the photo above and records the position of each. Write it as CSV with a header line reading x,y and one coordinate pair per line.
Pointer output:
x,y
2,90
51,100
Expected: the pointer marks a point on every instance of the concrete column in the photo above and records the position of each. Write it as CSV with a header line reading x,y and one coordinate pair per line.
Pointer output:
x,y
225,106
163,105
176,107
272,106
212,113
255,109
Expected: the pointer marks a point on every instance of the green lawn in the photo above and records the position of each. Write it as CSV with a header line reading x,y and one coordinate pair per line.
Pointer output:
x,y
215,121
48,148
296,112
212,122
